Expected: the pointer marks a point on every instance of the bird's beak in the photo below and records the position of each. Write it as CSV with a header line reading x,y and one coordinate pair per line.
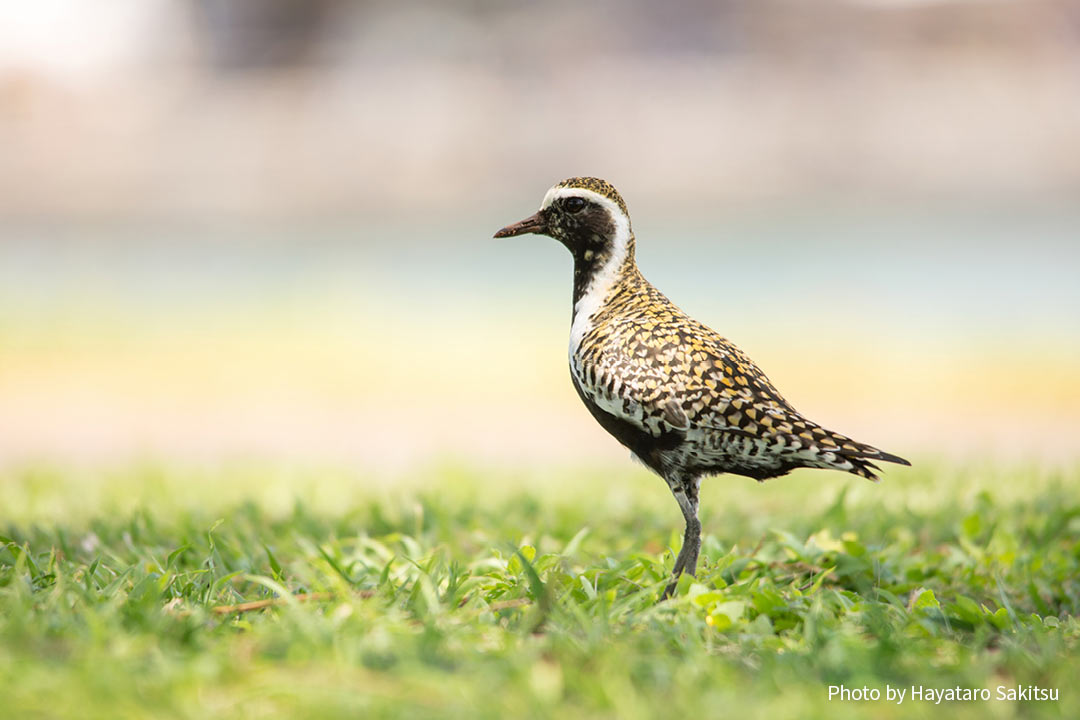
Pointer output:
x,y
533,224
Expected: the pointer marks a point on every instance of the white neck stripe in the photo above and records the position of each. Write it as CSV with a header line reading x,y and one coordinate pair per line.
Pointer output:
x,y
605,277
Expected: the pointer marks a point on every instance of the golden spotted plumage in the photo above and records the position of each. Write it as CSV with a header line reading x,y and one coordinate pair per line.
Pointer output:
x,y
672,374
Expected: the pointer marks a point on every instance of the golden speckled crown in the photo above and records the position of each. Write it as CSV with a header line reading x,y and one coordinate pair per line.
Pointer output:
x,y
601,187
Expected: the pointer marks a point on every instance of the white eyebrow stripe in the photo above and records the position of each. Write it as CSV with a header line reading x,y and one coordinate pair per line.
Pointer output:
x,y
549,197
557,192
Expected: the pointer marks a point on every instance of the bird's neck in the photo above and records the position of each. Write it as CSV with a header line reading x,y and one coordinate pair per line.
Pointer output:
x,y
599,267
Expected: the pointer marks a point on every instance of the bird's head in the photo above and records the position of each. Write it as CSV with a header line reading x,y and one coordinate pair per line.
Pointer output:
x,y
585,214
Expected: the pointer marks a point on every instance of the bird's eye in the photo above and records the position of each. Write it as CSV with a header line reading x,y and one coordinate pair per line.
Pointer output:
x,y
574,204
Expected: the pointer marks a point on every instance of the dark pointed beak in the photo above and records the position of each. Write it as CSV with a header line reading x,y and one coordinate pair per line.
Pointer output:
x,y
534,224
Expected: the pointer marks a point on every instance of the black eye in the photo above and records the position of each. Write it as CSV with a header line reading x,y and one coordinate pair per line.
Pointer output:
x,y
574,204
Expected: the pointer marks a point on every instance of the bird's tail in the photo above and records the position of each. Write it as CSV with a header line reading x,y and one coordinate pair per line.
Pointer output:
x,y
853,456
863,467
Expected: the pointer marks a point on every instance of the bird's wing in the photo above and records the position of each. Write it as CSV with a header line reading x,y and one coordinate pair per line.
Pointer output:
x,y
682,377
735,396
666,378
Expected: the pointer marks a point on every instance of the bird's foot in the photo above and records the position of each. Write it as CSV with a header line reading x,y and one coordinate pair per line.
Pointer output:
x,y
670,589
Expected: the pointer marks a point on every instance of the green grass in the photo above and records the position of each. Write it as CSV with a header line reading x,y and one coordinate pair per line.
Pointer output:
x,y
459,593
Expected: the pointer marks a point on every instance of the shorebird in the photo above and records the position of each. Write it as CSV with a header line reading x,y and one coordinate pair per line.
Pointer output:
x,y
683,399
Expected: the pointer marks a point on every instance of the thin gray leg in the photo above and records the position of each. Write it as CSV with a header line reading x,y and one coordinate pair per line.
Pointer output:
x,y
686,493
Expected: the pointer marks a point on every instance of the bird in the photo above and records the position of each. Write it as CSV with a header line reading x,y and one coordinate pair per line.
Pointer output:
x,y
685,400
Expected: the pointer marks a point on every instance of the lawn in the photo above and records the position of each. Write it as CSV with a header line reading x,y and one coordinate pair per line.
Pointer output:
x,y
259,591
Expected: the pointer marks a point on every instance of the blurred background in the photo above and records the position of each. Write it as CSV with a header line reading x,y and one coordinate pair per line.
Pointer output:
x,y
262,228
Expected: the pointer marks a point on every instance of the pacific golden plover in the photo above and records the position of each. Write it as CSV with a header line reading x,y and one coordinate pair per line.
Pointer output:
x,y
683,399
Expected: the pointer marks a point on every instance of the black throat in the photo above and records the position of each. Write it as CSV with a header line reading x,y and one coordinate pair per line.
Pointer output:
x,y
592,252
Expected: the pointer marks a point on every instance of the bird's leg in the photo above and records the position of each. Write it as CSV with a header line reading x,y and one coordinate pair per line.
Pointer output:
x,y
686,494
